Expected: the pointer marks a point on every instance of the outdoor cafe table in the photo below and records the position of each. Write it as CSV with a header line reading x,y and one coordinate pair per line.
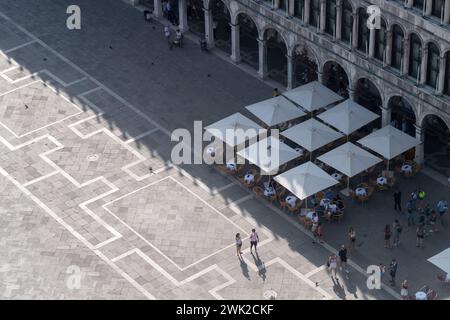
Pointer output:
x,y
361,192
269,191
420,295
231,166
249,178
337,176
407,168
291,200
381,181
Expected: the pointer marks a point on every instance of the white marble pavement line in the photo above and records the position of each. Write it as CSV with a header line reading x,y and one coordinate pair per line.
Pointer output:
x,y
78,236
146,258
328,247
14,66
105,206
58,170
79,111
20,46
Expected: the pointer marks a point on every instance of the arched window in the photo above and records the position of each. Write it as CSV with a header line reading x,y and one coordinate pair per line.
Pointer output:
x,y
347,21
330,23
380,41
419,4
447,74
363,31
314,13
437,8
415,55
299,8
433,65
397,47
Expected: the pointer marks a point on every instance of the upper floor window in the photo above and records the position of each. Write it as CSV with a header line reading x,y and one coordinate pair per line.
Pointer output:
x,y
380,41
447,74
347,21
314,13
437,8
363,31
433,65
415,56
397,47
299,8
330,23
419,4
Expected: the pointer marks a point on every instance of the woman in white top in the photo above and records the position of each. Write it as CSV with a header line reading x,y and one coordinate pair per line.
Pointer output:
x,y
238,245
253,240
332,265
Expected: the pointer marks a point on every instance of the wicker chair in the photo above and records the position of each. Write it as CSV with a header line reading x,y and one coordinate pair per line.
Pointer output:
x,y
258,191
337,217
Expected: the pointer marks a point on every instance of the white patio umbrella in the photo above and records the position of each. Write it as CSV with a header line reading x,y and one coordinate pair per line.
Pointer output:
x,y
305,180
349,159
389,142
276,110
311,134
312,96
230,129
268,154
348,116
442,260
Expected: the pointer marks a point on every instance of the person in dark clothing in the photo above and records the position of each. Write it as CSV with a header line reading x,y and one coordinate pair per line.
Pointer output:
x,y
393,271
398,200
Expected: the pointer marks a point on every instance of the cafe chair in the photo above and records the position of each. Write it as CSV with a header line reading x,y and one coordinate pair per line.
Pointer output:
x,y
283,203
258,191
337,217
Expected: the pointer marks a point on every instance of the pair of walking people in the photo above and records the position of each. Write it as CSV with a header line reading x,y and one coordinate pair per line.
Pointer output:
x,y
178,37
254,239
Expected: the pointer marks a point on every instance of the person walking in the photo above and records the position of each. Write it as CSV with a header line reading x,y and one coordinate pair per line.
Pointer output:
x,y
168,34
420,233
238,245
254,239
442,208
397,232
398,200
410,211
179,38
352,239
343,258
387,236
404,290
433,221
393,271
332,265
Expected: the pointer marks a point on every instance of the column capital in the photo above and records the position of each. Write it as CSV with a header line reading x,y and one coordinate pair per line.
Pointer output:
x,y
262,41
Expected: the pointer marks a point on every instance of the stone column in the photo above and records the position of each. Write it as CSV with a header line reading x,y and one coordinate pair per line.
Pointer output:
x,y
306,11
385,116
290,72
428,7
372,42
420,135
406,50
447,12
388,47
235,44
262,53
134,2
323,12
424,65
351,91
209,27
338,20
157,11
182,12
409,4
320,76
354,43
441,84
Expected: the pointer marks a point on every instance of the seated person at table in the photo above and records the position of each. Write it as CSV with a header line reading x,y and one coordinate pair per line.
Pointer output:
x,y
337,198
329,194
314,201
340,204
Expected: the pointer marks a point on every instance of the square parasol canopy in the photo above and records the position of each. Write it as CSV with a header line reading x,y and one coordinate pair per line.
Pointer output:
x,y
312,96
442,260
276,110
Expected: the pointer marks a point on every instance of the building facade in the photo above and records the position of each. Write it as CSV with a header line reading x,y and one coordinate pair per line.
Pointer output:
x,y
398,65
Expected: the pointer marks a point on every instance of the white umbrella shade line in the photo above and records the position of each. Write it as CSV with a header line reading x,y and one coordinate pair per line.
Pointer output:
x,y
389,142
305,180
348,116
442,260
235,129
269,154
311,134
275,111
312,96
